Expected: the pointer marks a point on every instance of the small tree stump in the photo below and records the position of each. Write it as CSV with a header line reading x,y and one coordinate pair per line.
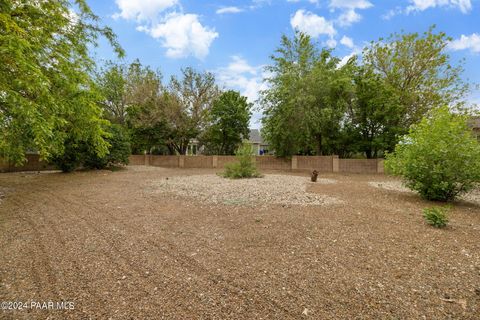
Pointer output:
x,y
314,176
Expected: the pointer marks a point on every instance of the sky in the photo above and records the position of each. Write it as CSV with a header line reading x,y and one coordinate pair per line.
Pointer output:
x,y
234,39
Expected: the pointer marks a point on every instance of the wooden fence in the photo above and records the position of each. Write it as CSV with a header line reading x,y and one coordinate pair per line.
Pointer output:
x,y
319,163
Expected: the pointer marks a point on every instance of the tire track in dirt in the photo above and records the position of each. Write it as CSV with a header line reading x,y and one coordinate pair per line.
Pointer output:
x,y
177,255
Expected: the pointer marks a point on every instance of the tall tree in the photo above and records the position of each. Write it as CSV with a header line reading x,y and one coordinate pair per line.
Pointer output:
x,y
229,120
187,106
306,100
46,92
418,71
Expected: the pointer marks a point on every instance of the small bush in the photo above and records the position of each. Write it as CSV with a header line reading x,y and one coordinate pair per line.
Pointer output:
x,y
244,167
439,158
436,216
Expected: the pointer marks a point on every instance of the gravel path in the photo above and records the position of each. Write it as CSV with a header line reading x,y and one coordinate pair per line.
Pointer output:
x,y
271,189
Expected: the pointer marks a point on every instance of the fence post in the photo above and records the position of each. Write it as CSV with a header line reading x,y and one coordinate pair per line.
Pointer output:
x,y
214,161
380,166
146,159
335,164
294,162
181,161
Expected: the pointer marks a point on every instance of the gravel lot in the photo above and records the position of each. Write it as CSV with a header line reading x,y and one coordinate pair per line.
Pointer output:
x,y
272,189
118,247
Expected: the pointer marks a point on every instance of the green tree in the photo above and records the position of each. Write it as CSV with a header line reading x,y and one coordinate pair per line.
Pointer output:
x,y
439,158
187,106
417,70
307,98
47,96
374,115
229,117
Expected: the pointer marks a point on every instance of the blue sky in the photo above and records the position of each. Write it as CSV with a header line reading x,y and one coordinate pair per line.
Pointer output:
x,y
234,39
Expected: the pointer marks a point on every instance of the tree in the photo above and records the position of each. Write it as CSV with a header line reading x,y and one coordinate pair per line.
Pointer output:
x,y
439,158
418,72
229,117
374,115
306,100
46,93
187,106
112,83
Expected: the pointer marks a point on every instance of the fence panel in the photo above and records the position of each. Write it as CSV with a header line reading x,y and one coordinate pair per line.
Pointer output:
x,y
358,165
164,161
273,163
320,163
198,162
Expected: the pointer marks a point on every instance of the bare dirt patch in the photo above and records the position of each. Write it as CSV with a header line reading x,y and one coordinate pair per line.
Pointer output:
x,y
396,185
118,249
272,189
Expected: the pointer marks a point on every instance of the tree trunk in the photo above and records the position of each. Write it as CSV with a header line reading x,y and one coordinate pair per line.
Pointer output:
x,y
319,145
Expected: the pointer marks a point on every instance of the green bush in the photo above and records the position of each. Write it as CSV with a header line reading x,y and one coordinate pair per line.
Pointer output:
x,y
439,158
436,216
118,151
244,167
82,154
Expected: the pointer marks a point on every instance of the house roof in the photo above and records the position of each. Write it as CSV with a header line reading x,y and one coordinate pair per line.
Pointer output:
x,y
474,122
255,136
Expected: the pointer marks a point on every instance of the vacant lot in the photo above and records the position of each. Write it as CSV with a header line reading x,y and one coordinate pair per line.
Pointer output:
x,y
134,244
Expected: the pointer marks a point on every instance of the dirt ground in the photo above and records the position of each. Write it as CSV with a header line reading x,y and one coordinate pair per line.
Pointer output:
x,y
114,247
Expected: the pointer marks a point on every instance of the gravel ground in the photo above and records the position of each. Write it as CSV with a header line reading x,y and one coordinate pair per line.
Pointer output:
x,y
269,190
118,249
395,185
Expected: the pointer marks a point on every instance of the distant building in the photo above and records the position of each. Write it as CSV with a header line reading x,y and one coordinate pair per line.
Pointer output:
x,y
259,146
474,123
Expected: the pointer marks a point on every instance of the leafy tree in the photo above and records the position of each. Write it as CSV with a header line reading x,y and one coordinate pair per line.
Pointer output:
x,y
118,151
418,72
229,117
47,96
374,115
112,83
187,106
440,158
307,98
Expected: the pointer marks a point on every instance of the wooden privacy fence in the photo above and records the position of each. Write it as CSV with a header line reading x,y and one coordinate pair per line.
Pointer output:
x,y
319,163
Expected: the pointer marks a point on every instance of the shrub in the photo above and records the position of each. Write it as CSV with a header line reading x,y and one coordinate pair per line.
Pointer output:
x,y
244,167
439,158
118,151
436,216
81,153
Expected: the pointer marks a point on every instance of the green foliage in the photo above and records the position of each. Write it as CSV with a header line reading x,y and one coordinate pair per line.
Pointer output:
x,y
188,103
439,158
83,153
48,97
229,120
306,101
437,216
244,167
118,152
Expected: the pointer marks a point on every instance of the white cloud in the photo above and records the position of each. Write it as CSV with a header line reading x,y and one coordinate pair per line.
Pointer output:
x,y
420,5
348,17
182,35
142,10
471,42
331,43
347,42
240,75
311,1
229,10
312,24
350,4
348,7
